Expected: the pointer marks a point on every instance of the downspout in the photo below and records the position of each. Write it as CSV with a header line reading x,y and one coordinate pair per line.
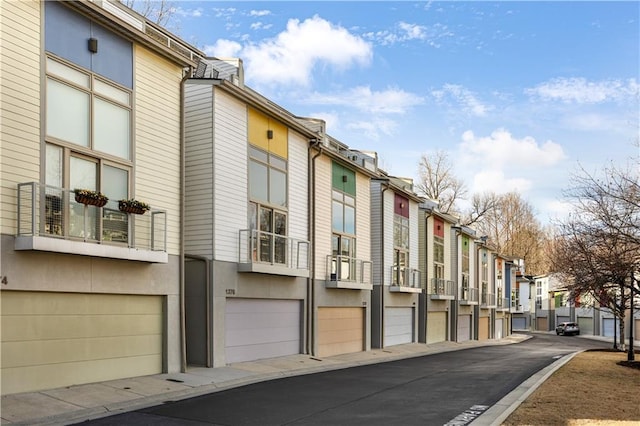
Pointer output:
x,y
183,340
422,309
384,185
311,281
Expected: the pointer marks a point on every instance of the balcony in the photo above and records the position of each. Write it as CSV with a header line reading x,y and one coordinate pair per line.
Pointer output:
x,y
503,304
516,307
488,300
405,280
49,219
468,296
441,289
269,253
348,272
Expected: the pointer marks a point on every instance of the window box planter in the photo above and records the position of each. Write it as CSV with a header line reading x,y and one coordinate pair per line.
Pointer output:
x,y
133,206
90,198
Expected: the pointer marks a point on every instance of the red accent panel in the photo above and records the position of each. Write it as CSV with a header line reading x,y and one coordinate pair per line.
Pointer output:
x,y
438,227
401,206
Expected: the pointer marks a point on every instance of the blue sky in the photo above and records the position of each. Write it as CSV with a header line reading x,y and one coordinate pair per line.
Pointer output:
x,y
518,93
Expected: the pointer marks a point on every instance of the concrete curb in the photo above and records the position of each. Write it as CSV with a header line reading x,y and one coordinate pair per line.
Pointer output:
x,y
501,410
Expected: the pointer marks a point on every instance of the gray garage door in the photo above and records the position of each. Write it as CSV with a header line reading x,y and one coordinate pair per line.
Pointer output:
x,y
398,326
607,327
586,325
499,323
261,328
519,323
562,318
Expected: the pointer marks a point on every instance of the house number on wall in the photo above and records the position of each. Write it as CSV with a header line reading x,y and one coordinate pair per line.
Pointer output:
x,y
231,291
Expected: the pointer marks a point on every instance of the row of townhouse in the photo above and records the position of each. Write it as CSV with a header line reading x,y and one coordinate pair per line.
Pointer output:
x,y
266,236
554,304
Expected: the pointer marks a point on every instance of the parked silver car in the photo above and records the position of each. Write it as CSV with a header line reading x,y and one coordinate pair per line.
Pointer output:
x,y
567,328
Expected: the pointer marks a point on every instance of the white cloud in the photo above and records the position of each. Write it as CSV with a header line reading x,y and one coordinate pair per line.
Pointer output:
x,y
405,31
188,13
362,98
223,49
496,181
291,56
374,129
259,13
501,149
260,26
582,91
463,98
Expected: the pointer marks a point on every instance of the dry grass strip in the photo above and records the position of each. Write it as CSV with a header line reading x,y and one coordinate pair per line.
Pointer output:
x,y
591,389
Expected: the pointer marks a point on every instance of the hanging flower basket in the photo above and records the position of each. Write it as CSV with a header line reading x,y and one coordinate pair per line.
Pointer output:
x,y
89,197
133,206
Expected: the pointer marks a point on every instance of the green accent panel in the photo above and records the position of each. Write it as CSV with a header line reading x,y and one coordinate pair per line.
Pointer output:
x,y
465,244
337,182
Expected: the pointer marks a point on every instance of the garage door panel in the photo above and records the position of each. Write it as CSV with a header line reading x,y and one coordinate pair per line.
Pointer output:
x,y
436,327
464,328
57,339
586,325
261,328
26,327
261,320
22,354
519,323
499,328
340,330
483,328
398,326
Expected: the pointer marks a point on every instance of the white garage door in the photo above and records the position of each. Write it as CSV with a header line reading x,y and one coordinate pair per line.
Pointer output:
x,y
398,326
562,319
52,340
464,328
519,323
261,328
436,327
499,323
607,327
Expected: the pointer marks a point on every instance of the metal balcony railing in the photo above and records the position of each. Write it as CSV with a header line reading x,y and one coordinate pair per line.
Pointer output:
x,y
47,211
441,288
502,303
402,276
266,248
487,300
348,269
468,295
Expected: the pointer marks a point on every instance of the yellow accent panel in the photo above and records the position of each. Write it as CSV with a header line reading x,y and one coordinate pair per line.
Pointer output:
x,y
340,330
258,125
278,145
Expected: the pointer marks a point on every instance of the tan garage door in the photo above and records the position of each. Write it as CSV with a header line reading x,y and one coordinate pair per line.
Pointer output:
x,y
542,324
483,328
52,340
436,327
340,330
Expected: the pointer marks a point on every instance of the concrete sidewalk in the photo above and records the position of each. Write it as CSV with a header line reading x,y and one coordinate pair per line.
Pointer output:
x,y
82,402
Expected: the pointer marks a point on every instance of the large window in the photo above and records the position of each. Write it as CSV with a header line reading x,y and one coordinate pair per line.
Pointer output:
x,y
89,145
400,239
465,267
343,223
438,249
268,194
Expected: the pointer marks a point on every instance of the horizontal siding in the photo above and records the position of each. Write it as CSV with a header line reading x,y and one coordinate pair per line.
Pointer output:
x,y
322,204
157,131
20,107
230,174
298,188
363,214
199,170
376,231
389,212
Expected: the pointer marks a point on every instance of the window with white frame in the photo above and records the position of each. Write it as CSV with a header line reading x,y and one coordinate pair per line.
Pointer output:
x,y
400,240
89,146
343,223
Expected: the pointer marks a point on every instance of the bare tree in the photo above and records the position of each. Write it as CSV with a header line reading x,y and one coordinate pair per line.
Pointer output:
x,y
510,224
159,11
598,247
438,182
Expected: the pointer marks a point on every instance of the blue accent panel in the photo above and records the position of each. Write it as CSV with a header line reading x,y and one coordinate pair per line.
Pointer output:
x,y
66,34
114,59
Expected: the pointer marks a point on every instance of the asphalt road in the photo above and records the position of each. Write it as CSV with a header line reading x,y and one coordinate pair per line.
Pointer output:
x,y
428,390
